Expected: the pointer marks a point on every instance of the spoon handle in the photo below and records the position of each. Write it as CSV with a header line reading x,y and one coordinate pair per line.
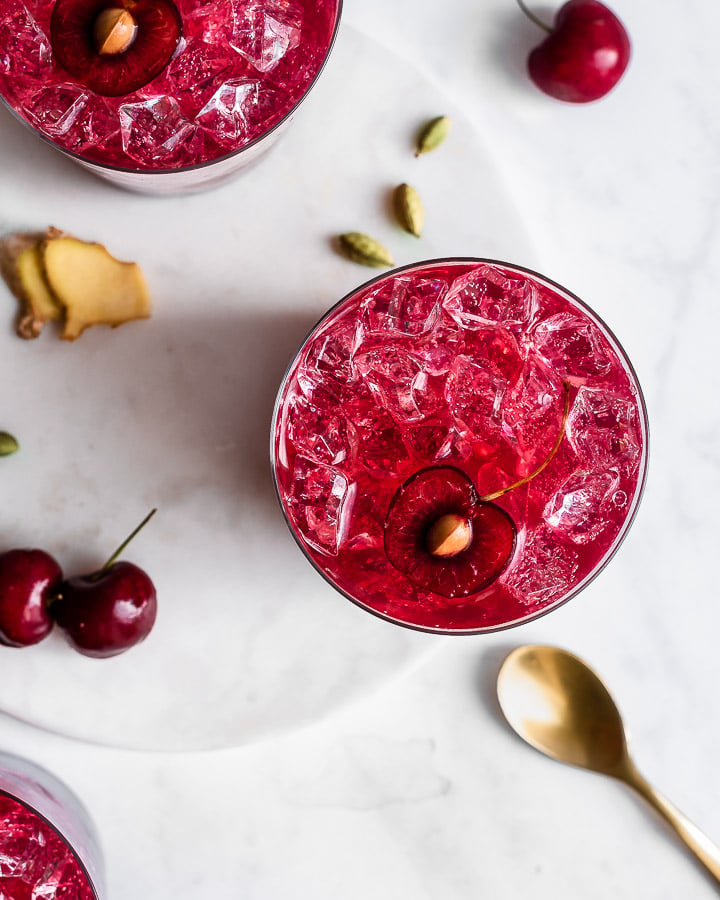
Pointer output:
x,y
698,843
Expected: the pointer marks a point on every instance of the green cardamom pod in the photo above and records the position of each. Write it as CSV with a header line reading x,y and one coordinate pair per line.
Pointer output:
x,y
363,249
409,209
8,444
432,135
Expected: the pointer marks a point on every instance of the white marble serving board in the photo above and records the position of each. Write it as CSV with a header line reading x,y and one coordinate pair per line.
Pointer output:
x,y
174,412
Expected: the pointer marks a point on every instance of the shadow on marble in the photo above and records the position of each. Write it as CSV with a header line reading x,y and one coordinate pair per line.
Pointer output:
x,y
174,412
27,157
517,36
223,372
486,674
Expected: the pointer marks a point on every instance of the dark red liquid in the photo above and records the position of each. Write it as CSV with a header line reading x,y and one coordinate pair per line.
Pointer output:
x,y
464,365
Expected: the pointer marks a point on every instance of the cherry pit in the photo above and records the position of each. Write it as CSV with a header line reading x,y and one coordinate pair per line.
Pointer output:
x,y
101,614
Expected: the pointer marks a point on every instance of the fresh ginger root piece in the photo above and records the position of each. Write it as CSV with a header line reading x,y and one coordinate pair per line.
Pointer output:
x,y
42,307
93,287
58,277
21,267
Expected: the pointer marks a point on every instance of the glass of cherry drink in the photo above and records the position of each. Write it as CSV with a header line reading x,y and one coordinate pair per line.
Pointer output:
x,y
162,96
459,445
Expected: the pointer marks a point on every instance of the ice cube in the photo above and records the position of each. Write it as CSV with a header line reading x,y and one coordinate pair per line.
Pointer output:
x,y
533,411
156,129
496,347
193,73
578,510
228,113
319,433
264,31
574,347
402,306
320,498
328,378
604,429
438,347
488,296
366,534
400,383
359,405
72,116
24,48
545,570
457,446
210,21
55,110
474,394
328,360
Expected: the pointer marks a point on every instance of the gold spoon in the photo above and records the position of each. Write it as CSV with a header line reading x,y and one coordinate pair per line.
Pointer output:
x,y
556,703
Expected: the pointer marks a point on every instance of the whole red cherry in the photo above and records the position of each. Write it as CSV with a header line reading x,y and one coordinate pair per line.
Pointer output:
x,y
108,611
28,580
585,54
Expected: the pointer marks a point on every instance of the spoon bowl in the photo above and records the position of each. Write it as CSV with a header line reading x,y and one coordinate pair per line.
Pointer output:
x,y
560,706
556,703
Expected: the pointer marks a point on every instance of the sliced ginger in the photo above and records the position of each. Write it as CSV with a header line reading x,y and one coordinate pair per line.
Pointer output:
x,y
92,286
41,305
21,267
59,277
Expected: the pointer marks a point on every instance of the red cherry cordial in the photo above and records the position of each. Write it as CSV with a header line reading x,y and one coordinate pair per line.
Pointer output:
x,y
114,48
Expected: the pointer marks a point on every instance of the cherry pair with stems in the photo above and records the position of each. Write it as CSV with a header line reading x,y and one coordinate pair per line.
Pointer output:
x,y
102,614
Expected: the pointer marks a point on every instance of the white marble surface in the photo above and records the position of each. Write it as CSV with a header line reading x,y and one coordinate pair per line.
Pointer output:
x,y
419,790
177,415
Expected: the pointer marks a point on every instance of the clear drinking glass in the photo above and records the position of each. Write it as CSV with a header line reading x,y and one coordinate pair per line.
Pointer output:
x,y
468,388
232,87
48,845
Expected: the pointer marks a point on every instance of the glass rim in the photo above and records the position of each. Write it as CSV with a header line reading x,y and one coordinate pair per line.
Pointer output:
x,y
194,167
642,475
56,830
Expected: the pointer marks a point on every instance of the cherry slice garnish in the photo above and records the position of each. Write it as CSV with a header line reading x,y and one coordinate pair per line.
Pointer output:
x,y
158,29
444,493
448,539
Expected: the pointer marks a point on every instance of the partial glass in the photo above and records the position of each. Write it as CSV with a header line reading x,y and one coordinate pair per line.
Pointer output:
x,y
48,846
239,71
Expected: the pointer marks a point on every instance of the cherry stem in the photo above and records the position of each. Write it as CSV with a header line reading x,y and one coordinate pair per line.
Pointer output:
x,y
127,540
533,17
548,459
